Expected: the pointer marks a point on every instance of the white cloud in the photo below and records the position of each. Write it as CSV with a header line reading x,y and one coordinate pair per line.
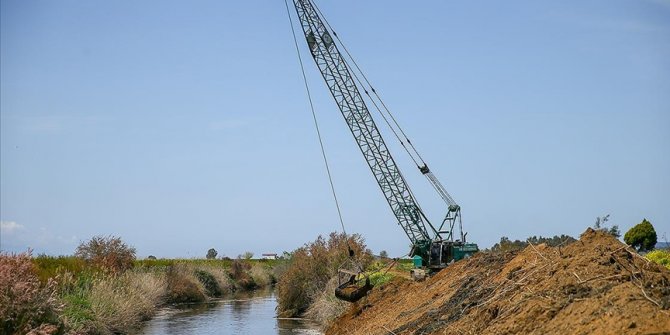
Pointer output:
x,y
9,226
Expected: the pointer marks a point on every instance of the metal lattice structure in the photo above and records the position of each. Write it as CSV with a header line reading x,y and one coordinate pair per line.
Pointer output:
x,y
342,86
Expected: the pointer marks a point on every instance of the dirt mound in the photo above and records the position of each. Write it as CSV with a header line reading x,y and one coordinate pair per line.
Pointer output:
x,y
593,286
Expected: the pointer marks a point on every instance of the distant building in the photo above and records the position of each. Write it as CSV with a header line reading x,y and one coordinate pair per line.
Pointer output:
x,y
269,256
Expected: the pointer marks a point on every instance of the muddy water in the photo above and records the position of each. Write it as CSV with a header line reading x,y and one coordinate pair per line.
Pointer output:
x,y
245,313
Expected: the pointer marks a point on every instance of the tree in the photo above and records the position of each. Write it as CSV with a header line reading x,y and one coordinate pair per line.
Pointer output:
x,y
601,223
383,254
211,253
108,253
246,255
642,236
614,231
506,244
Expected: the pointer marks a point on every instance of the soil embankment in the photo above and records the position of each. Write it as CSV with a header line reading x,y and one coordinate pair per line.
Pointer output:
x,y
593,286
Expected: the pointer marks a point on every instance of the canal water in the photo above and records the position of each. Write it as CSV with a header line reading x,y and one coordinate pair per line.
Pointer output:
x,y
243,313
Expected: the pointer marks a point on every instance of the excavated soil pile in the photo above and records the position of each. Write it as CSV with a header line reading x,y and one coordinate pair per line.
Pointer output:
x,y
596,285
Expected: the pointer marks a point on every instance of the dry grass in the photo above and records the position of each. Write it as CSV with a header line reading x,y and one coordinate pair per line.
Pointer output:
x,y
222,278
121,303
106,302
261,275
325,307
312,266
183,286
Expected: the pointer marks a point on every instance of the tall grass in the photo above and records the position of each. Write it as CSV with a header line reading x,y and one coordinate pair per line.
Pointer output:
x,y
325,307
84,299
120,303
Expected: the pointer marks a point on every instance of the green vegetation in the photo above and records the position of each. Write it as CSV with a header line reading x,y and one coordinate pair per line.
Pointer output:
x,y
209,282
211,253
378,272
661,257
312,267
104,290
108,253
25,304
506,244
642,236
601,225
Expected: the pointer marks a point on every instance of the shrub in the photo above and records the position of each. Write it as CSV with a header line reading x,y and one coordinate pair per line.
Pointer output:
x,y
238,272
642,236
209,282
326,307
312,266
182,286
246,255
660,256
211,253
222,278
107,253
24,304
260,275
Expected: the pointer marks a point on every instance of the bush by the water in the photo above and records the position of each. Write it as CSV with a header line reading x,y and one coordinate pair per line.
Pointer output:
x,y
25,305
209,281
108,253
56,295
183,285
312,266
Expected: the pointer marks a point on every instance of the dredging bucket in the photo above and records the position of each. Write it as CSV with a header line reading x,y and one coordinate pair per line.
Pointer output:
x,y
351,290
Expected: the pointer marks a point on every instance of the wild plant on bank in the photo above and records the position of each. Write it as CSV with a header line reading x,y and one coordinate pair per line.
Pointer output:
x,y
312,266
325,307
120,303
223,279
183,286
25,304
108,253
260,275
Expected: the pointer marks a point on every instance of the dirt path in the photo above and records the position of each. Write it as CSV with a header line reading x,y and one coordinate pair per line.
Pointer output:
x,y
593,286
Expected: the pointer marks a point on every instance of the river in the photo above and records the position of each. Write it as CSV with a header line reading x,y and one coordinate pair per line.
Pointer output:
x,y
243,313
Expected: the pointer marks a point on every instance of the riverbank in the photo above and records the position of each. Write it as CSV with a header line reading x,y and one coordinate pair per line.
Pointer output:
x,y
596,285
243,312
66,295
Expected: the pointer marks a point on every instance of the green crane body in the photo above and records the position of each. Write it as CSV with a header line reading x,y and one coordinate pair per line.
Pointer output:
x,y
436,246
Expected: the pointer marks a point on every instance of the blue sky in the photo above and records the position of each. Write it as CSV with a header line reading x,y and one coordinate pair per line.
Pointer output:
x,y
182,126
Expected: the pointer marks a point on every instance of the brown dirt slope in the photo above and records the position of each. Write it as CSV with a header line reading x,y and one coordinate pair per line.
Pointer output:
x,y
593,286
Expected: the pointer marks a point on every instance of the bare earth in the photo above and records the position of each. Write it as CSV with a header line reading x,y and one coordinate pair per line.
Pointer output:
x,y
593,286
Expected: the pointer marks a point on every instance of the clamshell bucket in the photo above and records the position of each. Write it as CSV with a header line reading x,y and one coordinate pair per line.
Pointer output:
x,y
352,285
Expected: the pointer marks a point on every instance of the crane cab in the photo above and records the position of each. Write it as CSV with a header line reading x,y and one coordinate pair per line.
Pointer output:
x,y
443,253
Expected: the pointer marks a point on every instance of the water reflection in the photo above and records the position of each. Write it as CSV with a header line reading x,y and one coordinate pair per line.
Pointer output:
x,y
244,313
